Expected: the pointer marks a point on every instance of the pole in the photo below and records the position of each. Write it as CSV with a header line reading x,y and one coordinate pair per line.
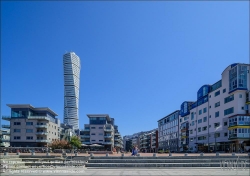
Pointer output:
x,y
215,142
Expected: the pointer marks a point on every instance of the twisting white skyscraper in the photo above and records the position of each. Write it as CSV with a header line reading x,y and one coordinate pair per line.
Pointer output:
x,y
72,66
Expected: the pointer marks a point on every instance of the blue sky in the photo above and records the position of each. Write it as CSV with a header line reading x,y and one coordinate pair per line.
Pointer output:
x,y
139,60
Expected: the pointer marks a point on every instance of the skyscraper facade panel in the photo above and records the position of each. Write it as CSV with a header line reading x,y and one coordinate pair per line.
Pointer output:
x,y
72,66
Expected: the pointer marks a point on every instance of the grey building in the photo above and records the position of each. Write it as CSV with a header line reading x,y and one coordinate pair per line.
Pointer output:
x,y
31,127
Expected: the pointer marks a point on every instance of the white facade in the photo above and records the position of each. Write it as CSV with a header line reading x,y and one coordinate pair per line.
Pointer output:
x,y
72,66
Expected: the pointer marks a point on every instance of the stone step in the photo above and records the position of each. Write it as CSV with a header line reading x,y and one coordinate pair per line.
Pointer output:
x,y
165,157
155,165
166,160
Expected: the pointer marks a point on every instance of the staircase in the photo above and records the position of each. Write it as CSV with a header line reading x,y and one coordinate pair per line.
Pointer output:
x,y
168,162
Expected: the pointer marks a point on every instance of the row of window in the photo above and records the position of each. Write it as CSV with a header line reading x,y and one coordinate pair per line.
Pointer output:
x,y
27,137
31,123
101,134
205,137
95,128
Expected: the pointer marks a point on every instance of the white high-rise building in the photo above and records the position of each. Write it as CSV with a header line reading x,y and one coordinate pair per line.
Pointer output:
x,y
72,66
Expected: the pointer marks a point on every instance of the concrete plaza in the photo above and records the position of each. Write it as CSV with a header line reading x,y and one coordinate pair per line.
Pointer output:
x,y
128,171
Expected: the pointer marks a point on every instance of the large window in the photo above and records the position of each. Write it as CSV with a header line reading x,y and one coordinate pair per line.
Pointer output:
x,y
217,93
204,110
200,112
17,130
29,130
200,121
204,119
29,123
217,104
229,111
17,137
229,98
29,137
17,123
217,114
192,116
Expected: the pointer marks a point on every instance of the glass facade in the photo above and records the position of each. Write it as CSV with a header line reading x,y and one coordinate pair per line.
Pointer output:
x,y
97,120
239,120
238,77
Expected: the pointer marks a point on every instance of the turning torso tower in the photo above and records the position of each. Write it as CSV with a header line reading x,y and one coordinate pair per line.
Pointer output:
x,y
71,69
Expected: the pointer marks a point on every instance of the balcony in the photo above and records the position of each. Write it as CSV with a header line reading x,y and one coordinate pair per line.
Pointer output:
x,y
5,133
85,142
38,118
41,133
108,136
42,140
109,143
4,140
86,129
41,126
239,135
85,136
8,118
117,134
5,126
108,129
243,123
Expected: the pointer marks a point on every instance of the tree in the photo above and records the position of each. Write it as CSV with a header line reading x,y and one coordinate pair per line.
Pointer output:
x,y
75,142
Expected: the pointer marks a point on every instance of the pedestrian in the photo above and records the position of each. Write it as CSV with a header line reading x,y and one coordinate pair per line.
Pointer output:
x,y
133,152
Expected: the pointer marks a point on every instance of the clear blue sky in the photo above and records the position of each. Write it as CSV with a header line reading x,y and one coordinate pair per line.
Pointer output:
x,y
139,60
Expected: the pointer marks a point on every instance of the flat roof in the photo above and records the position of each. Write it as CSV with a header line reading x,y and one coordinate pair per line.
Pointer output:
x,y
168,115
32,107
99,115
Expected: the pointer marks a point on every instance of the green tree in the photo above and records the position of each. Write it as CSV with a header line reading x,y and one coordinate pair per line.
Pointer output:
x,y
75,142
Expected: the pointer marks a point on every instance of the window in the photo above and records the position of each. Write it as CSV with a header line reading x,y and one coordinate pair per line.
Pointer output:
x,y
229,98
92,133
29,123
100,127
200,112
101,140
225,134
224,90
217,104
217,135
101,134
225,123
29,137
17,137
229,111
204,110
191,131
209,106
192,116
209,116
192,123
216,125
217,114
17,123
204,119
204,128
240,95
29,130
92,127
17,130
93,140
200,121
199,129
217,93
191,139
209,126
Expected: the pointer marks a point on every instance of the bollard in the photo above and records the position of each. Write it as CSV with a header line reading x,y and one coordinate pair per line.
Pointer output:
x,y
17,153
76,154
186,154
138,154
154,155
217,154
122,154
6,153
32,153
170,154
107,154
47,154
201,154
91,154
233,154
248,154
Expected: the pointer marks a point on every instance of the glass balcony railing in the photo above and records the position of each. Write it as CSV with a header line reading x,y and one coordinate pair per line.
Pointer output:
x,y
108,136
5,133
42,140
5,126
6,118
85,136
4,140
239,135
239,123
38,118
41,126
86,142
108,129
108,142
41,133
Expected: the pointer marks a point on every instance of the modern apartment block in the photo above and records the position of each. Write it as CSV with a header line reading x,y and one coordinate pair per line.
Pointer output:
x,y
72,66
219,119
118,142
149,141
4,138
101,130
168,131
31,127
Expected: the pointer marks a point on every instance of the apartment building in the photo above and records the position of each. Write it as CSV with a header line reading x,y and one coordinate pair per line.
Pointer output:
x,y
219,120
101,130
4,138
168,132
118,142
30,126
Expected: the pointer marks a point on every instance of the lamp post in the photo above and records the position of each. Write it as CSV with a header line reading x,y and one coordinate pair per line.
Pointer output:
x,y
215,136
